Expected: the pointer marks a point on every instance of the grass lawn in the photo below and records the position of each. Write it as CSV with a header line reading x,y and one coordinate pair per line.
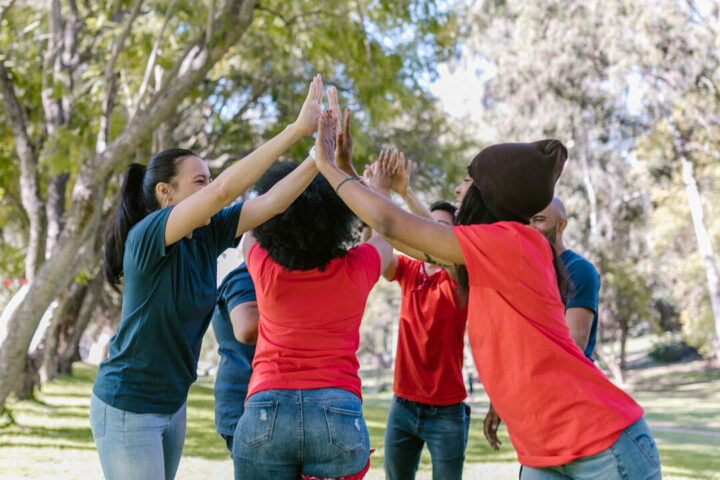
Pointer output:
x,y
53,439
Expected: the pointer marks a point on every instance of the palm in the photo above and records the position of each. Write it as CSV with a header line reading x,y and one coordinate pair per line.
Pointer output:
x,y
307,120
401,177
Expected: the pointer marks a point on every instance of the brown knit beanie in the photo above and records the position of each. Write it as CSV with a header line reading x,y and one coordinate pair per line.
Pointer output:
x,y
517,180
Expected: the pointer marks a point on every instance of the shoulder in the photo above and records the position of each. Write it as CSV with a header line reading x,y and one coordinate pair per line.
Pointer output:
x,y
150,224
577,266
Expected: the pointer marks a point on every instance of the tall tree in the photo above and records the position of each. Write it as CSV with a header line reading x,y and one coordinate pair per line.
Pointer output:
x,y
97,85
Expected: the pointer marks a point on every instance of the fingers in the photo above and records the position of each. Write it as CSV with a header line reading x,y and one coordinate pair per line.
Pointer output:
x,y
346,123
333,100
317,88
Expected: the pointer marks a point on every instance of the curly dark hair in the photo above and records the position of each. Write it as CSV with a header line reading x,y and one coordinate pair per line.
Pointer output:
x,y
316,228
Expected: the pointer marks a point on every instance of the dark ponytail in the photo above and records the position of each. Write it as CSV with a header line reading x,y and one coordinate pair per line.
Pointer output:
x,y
474,211
137,200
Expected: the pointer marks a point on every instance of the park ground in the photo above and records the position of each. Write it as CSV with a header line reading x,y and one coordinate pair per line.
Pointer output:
x,y
52,438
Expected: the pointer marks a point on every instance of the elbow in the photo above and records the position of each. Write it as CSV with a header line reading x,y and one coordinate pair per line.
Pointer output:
x,y
386,226
223,191
247,336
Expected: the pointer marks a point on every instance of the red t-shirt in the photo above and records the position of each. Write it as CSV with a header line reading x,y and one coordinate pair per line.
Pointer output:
x,y
308,331
428,364
557,405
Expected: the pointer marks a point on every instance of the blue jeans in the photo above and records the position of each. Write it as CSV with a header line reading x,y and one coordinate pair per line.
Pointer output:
x,y
286,433
137,446
410,425
633,456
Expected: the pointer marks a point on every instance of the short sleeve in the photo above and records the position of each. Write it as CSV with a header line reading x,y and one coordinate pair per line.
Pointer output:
x,y
406,269
145,243
237,288
492,254
224,226
585,286
366,258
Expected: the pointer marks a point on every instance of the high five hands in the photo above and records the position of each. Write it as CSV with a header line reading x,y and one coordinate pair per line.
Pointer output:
x,y
307,120
343,141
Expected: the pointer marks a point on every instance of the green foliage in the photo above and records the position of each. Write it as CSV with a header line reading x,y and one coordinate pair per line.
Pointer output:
x,y
672,350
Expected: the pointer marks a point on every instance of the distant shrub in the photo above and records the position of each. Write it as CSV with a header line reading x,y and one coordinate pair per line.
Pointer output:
x,y
672,351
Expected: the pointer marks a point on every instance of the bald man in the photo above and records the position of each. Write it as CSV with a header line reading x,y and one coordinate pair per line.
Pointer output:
x,y
582,300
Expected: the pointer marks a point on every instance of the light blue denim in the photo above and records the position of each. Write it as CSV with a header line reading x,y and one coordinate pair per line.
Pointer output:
x,y
410,425
634,456
137,446
285,433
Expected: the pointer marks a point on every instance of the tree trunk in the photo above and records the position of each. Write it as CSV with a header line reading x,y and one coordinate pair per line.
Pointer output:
x,y
55,209
624,327
63,320
704,244
89,190
72,335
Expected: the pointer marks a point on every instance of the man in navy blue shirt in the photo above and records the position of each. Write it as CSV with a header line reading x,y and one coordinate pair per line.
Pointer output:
x,y
235,323
582,301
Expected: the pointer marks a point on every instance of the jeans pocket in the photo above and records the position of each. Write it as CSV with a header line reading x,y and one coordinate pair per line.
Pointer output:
x,y
640,435
97,417
346,428
255,427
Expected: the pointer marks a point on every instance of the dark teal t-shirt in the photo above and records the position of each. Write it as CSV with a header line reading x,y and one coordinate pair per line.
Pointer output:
x,y
168,299
583,291
236,358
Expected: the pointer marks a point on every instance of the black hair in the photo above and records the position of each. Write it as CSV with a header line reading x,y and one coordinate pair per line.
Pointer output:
x,y
473,210
136,200
315,229
444,206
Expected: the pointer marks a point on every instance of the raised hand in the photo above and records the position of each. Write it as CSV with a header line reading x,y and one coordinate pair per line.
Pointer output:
x,y
401,177
307,120
325,140
334,105
383,171
343,143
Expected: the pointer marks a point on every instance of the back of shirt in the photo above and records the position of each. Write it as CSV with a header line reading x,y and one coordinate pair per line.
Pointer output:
x,y
557,405
309,321
583,291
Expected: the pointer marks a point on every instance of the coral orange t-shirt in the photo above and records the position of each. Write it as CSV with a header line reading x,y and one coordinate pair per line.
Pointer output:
x,y
308,331
557,405
428,364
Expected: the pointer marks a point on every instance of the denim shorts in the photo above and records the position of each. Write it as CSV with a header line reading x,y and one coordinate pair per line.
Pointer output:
x,y
285,433
634,456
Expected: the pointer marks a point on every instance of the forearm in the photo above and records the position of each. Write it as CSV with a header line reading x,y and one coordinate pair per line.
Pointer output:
x,y
392,222
415,205
418,255
276,200
244,173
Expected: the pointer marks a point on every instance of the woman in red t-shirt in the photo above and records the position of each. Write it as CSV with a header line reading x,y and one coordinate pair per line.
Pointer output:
x,y
303,414
564,417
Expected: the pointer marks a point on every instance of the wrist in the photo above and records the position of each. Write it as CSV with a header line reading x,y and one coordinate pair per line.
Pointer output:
x,y
295,131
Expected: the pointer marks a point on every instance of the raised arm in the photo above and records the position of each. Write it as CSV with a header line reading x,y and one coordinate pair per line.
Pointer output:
x,y
195,210
434,239
276,200
381,178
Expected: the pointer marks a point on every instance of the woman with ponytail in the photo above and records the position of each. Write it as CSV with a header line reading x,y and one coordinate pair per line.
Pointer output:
x,y
564,417
163,243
